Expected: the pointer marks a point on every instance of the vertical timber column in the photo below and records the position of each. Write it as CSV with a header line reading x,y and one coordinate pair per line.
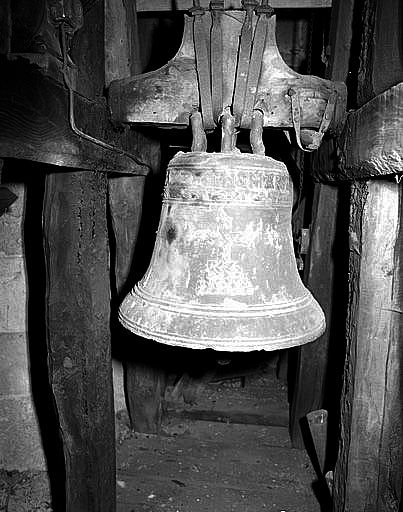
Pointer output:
x,y
78,334
369,470
313,359
144,375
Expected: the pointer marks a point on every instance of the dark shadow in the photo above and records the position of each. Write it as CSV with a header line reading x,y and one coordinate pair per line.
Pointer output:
x,y
319,486
33,176
337,339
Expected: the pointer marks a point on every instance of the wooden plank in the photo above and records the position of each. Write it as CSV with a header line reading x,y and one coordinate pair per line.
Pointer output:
x,y
371,143
313,359
34,123
370,399
380,64
370,466
270,419
261,401
88,51
145,377
184,5
78,337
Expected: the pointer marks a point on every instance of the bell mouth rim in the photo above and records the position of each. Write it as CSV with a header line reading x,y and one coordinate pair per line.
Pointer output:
x,y
235,344
261,310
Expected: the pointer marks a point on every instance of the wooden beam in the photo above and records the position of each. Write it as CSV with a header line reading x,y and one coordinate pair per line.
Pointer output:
x,y
145,377
370,466
78,337
167,96
312,360
369,469
34,123
371,143
184,5
379,50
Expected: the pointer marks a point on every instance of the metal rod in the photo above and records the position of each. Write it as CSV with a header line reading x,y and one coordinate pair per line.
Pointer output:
x,y
256,133
199,141
228,132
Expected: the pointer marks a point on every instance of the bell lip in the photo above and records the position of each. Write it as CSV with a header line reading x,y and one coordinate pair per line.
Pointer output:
x,y
233,345
267,340
261,310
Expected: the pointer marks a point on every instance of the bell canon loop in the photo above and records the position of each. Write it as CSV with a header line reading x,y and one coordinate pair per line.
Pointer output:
x,y
223,273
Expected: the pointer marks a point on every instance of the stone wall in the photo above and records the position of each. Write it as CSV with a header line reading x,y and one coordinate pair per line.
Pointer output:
x,y
20,438
20,442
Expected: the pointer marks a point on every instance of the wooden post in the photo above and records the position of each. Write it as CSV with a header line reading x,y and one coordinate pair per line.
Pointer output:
x,y
144,377
369,470
312,360
77,322
370,466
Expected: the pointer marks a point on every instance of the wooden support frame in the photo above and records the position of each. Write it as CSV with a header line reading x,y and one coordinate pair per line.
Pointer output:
x,y
369,471
78,337
371,143
34,123
145,378
184,5
312,360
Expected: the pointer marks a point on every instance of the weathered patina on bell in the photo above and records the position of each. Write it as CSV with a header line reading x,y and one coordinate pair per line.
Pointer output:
x,y
223,273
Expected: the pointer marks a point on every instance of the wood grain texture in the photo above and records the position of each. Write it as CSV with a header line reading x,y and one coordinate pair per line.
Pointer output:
x,y
88,51
371,404
359,192
371,143
77,318
381,56
145,375
144,379
167,96
313,358
183,5
370,465
34,123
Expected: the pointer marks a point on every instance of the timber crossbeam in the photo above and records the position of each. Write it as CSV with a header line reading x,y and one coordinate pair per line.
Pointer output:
x,y
184,5
34,123
370,144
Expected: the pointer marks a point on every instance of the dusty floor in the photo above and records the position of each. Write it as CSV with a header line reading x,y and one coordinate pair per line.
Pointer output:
x,y
228,451
225,450
213,467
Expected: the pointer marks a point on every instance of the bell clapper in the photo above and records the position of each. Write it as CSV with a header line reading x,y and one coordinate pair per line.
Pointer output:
x,y
256,133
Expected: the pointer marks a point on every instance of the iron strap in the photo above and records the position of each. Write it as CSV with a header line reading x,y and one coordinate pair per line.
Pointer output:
x,y
203,68
315,137
243,62
217,8
255,66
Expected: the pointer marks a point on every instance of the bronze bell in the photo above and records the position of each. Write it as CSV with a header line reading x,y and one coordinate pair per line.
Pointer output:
x,y
223,273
